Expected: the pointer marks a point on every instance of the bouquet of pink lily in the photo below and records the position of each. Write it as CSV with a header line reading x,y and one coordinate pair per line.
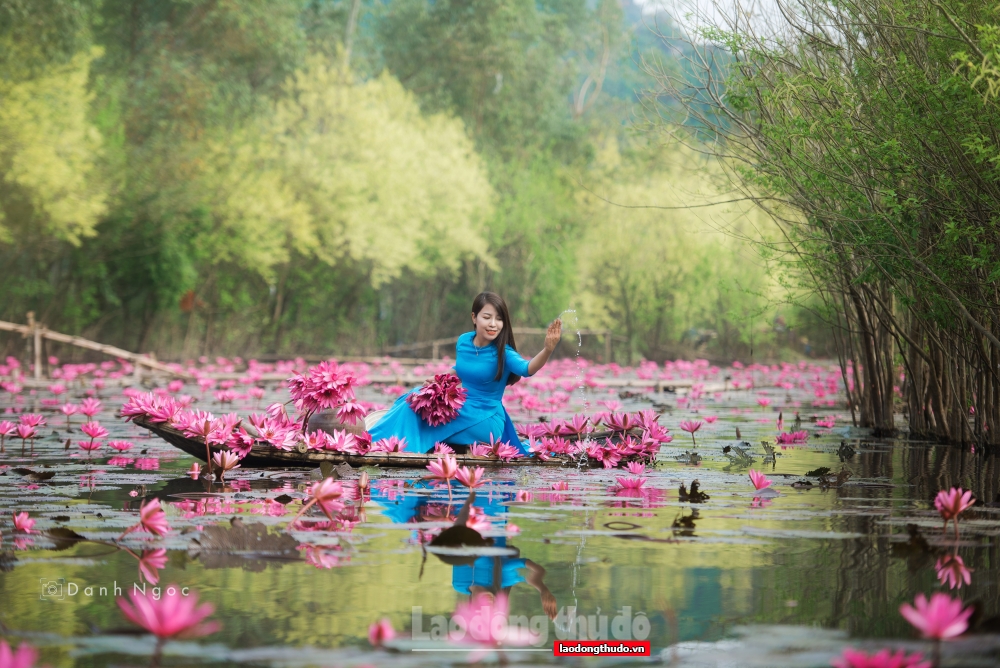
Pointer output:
x,y
438,401
324,386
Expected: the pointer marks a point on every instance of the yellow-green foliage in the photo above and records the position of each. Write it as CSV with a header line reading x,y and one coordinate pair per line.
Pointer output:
x,y
384,184
650,271
343,170
48,154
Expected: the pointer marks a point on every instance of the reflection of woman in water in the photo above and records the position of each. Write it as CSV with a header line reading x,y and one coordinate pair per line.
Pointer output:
x,y
486,361
489,575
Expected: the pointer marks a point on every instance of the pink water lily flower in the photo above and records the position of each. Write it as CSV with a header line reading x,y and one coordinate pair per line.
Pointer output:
x,y
470,477
120,446
380,632
325,494
611,405
351,413
25,432
6,429
952,571
620,422
89,446
941,618
69,410
952,503
94,430
33,420
759,480
792,438
478,520
342,440
439,401
23,523
151,519
90,407
480,450
172,616
443,468
506,452
326,385
224,461
150,564
631,483
24,657
483,621
691,426
560,486
540,449
636,468
576,425
391,444
852,658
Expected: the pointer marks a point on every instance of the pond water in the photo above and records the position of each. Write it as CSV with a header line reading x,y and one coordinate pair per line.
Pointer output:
x,y
740,578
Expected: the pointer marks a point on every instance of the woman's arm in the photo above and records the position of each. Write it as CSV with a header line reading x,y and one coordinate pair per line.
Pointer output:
x,y
552,337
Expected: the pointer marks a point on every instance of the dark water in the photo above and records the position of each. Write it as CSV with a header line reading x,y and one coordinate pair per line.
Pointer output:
x,y
739,579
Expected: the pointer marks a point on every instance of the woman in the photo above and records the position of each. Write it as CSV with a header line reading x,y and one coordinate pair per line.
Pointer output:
x,y
486,362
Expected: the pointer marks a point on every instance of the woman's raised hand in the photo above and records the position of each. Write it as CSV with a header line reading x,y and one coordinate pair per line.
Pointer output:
x,y
553,335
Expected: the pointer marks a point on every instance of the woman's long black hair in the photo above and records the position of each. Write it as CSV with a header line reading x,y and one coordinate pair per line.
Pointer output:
x,y
506,336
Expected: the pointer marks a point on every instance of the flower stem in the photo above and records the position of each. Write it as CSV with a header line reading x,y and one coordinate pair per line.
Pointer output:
x,y
302,512
208,457
157,654
126,532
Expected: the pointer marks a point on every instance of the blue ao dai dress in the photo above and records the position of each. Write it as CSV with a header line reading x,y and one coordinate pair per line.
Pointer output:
x,y
483,414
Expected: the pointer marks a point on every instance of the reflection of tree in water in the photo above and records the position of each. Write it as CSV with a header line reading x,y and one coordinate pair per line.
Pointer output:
x,y
865,579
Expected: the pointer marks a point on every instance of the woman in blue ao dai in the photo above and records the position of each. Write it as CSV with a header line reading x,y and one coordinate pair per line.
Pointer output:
x,y
486,361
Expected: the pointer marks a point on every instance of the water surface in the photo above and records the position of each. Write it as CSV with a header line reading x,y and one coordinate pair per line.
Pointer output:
x,y
790,577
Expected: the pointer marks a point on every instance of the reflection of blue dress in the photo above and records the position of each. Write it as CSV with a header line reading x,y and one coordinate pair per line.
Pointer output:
x,y
483,414
407,507
481,572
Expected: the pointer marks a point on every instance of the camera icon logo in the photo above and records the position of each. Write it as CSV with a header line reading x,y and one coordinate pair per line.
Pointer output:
x,y
53,590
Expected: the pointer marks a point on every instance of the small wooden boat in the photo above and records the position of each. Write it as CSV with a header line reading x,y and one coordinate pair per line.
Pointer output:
x,y
266,456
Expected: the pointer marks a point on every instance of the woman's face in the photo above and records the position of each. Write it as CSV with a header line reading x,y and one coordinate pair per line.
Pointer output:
x,y
487,323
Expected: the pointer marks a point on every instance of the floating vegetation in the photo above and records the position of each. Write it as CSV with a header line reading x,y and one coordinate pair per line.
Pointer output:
x,y
845,451
695,495
739,455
